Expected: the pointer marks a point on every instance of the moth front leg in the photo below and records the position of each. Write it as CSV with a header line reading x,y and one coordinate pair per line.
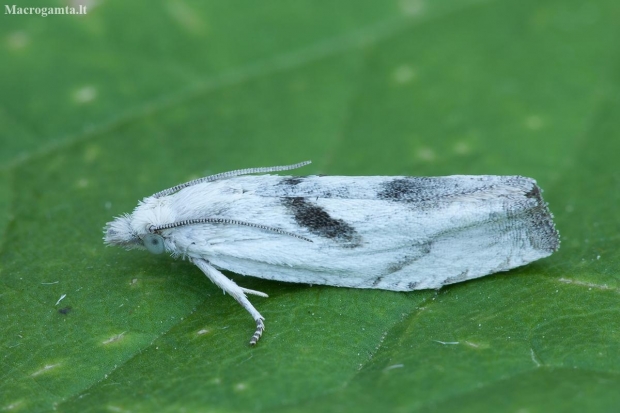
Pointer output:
x,y
238,293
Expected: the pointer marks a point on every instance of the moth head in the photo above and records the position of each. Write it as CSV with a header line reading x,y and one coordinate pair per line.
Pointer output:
x,y
121,232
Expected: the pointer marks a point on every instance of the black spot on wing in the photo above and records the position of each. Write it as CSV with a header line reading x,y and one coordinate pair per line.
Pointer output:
x,y
292,180
396,190
319,222
534,193
413,189
429,190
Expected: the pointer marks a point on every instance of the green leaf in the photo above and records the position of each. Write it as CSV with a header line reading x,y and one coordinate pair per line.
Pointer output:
x,y
103,109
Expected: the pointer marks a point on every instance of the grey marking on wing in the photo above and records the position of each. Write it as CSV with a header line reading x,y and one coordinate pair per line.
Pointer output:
x,y
412,285
541,232
455,279
418,251
529,213
319,222
304,186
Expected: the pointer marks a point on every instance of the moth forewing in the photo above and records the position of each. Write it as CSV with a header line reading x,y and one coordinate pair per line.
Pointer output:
x,y
392,233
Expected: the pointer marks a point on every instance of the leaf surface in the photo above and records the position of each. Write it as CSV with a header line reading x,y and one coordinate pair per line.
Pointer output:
x,y
101,110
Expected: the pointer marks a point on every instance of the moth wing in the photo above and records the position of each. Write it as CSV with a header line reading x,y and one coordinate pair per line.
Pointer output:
x,y
395,233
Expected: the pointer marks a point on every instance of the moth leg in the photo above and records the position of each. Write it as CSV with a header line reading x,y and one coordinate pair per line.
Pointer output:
x,y
253,292
235,292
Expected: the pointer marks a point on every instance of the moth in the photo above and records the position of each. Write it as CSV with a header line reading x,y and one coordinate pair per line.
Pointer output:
x,y
395,233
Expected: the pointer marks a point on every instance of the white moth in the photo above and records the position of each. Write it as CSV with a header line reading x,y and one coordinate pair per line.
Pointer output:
x,y
393,233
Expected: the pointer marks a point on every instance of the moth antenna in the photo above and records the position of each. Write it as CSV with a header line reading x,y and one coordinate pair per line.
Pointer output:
x,y
155,228
225,175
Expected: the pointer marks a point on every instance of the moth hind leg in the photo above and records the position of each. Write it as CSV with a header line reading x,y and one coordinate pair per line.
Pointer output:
x,y
236,292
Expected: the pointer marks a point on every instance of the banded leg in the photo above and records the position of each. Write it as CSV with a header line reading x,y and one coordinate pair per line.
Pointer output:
x,y
236,292
260,327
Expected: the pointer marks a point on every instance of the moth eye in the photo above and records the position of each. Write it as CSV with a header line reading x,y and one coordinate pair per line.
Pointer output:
x,y
154,243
